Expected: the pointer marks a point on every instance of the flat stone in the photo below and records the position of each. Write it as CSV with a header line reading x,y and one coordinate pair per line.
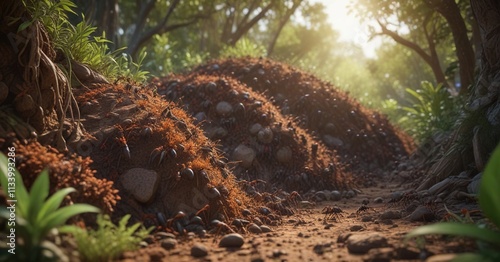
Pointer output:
x,y
232,240
163,235
362,243
441,258
168,243
390,214
199,250
356,228
141,183
422,213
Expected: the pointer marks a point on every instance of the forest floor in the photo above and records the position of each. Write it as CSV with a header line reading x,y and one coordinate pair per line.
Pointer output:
x,y
377,234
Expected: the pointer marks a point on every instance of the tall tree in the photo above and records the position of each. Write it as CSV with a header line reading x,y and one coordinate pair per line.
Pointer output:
x,y
479,132
450,10
422,26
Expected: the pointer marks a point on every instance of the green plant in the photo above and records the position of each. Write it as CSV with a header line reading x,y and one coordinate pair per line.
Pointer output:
x,y
35,214
244,47
432,110
489,201
108,241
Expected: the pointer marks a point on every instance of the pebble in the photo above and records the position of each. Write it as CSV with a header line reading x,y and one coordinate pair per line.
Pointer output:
x,y
199,250
441,258
168,243
163,235
335,195
266,229
379,255
356,228
278,253
231,240
422,213
366,219
390,214
378,200
254,229
362,243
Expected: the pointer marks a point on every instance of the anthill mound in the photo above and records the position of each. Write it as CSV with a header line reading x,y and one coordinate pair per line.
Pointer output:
x,y
160,161
362,137
265,148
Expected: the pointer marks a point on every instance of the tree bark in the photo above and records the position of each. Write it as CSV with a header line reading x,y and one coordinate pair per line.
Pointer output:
x,y
431,59
465,54
478,133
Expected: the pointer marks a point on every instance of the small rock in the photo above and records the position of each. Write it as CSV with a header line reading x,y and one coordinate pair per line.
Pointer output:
x,y
141,183
379,255
350,194
254,229
163,235
278,253
149,239
143,244
156,253
441,258
224,108
256,258
407,253
362,243
265,135
199,250
231,240
322,248
343,237
319,196
335,195
244,155
266,229
378,200
366,219
473,187
332,141
356,228
390,214
422,213
168,243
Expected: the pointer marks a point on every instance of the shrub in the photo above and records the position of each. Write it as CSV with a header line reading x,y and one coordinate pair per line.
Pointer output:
x,y
489,201
108,241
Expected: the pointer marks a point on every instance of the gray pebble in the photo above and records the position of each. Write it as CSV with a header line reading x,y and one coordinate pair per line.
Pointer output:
x,y
231,240
199,250
254,229
378,200
168,243
266,229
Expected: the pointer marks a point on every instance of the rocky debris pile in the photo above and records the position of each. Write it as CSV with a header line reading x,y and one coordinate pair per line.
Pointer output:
x,y
266,149
168,173
362,137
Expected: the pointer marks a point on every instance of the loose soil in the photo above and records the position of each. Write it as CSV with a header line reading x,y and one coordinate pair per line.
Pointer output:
x,y
307,236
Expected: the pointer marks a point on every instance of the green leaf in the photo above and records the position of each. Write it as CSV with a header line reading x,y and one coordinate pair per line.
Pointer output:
x,y
467,257
53,203
38,193
456,229
24,26
60,216
20,194
489,194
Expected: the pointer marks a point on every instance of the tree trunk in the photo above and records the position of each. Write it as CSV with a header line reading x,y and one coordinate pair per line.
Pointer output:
x,y
465,54
479,132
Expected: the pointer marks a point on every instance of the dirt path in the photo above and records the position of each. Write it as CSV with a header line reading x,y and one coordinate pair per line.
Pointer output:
x,y
306,236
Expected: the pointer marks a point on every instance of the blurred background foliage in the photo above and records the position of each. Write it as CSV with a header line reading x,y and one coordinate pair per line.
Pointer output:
x,y
425,55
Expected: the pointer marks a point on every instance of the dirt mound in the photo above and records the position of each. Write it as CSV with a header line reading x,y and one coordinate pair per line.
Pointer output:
x,y
259,141
65,170
161,162
362,137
